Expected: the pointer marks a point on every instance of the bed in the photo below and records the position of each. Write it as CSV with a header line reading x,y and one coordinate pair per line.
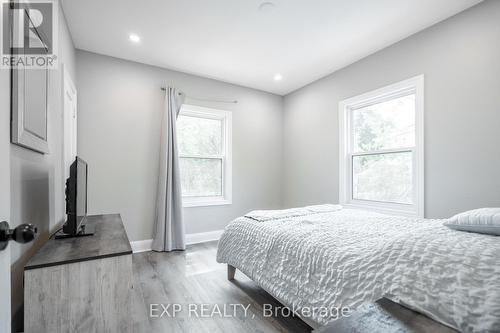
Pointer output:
x,y
328,256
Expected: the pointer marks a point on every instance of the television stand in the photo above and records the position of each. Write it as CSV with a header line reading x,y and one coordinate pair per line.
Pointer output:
x,y
85,230
81,284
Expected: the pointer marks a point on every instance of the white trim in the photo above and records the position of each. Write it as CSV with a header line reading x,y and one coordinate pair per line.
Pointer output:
x,y
227,160
202,237
416,85
141,246
204,201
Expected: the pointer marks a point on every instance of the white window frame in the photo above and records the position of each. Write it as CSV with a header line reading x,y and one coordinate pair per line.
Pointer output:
x,y
412,85
226,157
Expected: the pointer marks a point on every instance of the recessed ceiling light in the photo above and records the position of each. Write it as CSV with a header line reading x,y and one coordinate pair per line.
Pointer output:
x,y
278,77
134,38
266,6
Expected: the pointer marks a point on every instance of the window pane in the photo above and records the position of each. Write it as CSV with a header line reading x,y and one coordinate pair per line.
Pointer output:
x,y
201,177
383,177
199,136
386,125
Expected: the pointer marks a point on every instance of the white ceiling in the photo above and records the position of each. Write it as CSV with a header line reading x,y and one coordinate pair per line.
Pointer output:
x,y
234,41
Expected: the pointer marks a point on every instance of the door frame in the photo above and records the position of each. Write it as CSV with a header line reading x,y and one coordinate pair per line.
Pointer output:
x,y
5,198
70,121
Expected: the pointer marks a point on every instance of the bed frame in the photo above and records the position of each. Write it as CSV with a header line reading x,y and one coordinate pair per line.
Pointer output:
x,y
231,271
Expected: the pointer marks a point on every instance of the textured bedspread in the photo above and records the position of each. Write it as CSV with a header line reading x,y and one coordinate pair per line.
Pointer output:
x,y
345,257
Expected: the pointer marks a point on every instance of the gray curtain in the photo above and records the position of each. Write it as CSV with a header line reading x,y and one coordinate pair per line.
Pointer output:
x,y
169,225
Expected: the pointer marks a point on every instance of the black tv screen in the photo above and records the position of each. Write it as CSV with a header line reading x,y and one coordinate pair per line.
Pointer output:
x,y
76,197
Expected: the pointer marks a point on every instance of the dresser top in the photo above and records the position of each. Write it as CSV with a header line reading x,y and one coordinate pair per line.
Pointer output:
x,y
109,240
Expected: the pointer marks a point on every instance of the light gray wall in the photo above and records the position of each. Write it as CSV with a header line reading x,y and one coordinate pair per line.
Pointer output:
x,y
37,181
119,113
460,58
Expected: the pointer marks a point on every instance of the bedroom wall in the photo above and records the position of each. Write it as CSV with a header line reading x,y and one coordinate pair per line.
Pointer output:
x,y
460,58
37,181
119,113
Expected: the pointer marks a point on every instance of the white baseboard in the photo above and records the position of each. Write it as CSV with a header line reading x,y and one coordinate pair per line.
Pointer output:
x,y
145,245
203,237
141,246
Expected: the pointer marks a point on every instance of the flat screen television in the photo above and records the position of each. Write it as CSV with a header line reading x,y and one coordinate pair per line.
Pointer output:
x,y
76,201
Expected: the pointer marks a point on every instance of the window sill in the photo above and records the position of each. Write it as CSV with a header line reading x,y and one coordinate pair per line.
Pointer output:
x,y
187,204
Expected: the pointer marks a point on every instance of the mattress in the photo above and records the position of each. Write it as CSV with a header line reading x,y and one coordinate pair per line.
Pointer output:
x,y
334,258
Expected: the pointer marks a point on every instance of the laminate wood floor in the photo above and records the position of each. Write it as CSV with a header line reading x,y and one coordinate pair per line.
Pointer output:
x,y
194,277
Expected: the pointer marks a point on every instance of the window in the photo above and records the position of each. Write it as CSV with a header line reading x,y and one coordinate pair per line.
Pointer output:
x,y
381,149
204,141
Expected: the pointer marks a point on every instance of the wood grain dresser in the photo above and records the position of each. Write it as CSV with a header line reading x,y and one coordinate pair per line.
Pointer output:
x,y
81,284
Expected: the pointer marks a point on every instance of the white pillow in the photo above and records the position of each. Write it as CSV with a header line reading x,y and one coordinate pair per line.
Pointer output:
x,y
482,220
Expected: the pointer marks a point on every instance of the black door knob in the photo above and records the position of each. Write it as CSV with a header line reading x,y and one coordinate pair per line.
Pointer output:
x,y
23,233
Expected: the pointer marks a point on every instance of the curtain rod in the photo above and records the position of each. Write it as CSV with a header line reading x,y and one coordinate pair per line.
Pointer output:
x,y
205,99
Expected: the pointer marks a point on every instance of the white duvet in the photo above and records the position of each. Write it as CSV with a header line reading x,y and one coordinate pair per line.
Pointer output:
x,y
337,257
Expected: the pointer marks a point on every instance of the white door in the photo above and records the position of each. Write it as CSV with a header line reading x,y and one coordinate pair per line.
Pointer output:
x,y
70,121
4,197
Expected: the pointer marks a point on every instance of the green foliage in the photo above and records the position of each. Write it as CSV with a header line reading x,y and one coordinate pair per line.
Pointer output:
x,y
371,130
199,141
388,125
